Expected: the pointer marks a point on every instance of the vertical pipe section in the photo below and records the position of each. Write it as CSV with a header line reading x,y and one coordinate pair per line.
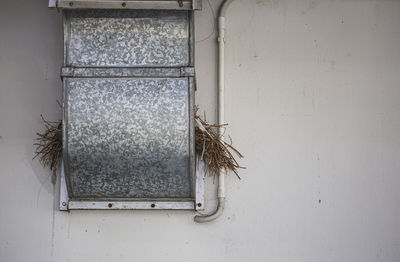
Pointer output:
x,y
221,111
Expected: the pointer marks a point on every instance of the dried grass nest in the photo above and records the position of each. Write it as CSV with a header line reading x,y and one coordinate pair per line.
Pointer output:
x,y
49,144
213,150
209,145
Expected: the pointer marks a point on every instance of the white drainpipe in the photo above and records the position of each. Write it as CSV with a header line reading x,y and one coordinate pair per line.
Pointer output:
x,y
221,111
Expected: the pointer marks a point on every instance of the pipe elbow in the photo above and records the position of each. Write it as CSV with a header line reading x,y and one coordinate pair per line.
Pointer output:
x,y
217,213
224,7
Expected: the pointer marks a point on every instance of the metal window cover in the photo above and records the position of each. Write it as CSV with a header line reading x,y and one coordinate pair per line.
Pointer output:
x,y
128,4
128,138
127,38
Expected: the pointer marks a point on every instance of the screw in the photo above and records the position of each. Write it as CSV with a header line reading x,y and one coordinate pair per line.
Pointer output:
x,y
123,4
110,205
199,204
71,3
153,205
64,204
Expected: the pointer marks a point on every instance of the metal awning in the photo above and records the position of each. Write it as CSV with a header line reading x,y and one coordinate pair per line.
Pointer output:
x,y
128,4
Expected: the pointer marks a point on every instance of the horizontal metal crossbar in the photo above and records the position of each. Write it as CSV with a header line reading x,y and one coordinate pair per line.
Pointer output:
x,y
127,72
129,4
131,205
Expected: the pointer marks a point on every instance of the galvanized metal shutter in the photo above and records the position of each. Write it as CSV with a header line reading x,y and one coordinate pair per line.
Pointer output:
x,y
128,110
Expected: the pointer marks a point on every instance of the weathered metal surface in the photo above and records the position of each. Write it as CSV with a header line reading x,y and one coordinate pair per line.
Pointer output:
x,y
52,4
200,176
128,4
128,138
128,111
63,190
128,38
187,71
153,205
197,4
127,72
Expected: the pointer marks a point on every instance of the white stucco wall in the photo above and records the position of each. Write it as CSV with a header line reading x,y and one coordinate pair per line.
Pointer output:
x,y
313,101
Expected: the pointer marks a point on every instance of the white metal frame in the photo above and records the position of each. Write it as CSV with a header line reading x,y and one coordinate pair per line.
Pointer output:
x,y
197,204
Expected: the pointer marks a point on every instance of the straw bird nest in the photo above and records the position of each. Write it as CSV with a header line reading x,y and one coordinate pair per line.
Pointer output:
x,y
49,144
209,145
213,150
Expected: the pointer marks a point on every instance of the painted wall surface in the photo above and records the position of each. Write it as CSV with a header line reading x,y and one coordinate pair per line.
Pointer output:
x,y
312,100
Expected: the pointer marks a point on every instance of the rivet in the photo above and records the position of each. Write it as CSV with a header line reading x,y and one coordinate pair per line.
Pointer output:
x,y
123,4
110,205
180,2
199,204
153,205
64,204
71,3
